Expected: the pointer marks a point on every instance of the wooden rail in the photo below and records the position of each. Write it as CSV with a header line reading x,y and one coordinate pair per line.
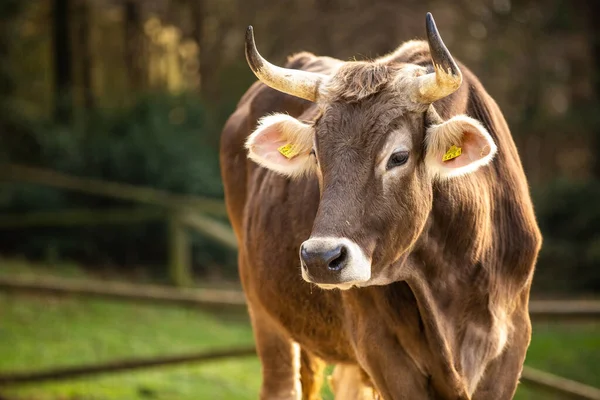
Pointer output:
x,y
557,385
81,217
231,299
212,228
568,309
139,194
564,309
13,378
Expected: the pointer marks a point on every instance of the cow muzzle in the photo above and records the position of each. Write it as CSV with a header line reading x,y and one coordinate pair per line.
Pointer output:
x,y
334,263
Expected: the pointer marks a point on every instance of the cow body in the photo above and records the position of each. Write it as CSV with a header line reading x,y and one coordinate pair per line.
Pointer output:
x,y
447,319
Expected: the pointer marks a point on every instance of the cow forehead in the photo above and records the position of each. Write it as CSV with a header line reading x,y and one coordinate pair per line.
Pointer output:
x,y
363,98
355,81
364,127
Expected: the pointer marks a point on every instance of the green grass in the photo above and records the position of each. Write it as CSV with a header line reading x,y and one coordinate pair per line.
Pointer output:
x,y
46,332
570,351
42,332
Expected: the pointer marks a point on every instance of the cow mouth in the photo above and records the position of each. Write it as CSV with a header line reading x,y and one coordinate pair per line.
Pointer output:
x,y
341,286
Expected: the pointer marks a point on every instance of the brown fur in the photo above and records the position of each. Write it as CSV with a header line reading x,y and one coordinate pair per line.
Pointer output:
x,y
454,324
353,82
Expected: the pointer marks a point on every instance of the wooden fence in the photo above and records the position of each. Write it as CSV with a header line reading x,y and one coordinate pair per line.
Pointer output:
x,y
20,378
180,212
564,310
183,212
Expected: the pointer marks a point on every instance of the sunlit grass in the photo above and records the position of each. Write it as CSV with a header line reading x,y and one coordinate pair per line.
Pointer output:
x,y
45,332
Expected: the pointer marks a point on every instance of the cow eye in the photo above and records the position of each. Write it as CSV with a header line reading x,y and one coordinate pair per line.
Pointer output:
x,y
397,159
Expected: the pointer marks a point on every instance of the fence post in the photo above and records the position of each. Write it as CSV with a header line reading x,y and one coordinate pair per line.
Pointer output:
x,y
180,269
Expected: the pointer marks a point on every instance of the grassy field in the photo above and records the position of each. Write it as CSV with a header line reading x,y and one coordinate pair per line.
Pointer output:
x,y
42,332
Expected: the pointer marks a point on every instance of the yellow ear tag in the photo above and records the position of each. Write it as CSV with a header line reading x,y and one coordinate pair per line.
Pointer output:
x,y
288,150
452,152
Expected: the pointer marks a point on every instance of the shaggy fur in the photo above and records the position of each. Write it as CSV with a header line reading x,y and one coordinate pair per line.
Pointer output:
x,y
353,82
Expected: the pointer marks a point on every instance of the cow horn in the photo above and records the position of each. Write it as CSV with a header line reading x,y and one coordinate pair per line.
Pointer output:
x,y
447,76
295,82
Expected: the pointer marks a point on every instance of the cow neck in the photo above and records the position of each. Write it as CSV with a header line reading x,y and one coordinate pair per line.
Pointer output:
x,y
451,279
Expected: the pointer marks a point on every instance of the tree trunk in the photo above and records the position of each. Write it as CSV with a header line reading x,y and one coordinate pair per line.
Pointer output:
x,y
211,59
594,9
15,143
84,49
133,46
207,64
63,71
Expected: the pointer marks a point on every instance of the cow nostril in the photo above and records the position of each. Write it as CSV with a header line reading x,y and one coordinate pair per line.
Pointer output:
x,y
338,262
304,255
321,257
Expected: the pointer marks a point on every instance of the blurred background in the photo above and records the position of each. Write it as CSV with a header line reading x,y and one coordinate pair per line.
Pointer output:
x,y
110,117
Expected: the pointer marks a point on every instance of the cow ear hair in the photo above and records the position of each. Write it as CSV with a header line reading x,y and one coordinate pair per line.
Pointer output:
x,y
282,144
458,146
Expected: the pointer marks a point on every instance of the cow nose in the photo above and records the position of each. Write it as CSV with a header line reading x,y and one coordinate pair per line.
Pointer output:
x,y
334,262
323,259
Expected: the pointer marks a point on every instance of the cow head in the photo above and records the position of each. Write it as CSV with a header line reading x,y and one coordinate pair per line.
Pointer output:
x,y
377,147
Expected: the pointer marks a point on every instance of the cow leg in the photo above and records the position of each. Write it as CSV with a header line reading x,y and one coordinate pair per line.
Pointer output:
x,y
391,370
501,378
311,375
280,360
397,379
347,382
502,374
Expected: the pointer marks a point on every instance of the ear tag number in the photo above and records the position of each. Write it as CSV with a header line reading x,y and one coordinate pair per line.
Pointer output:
x,y
452,152
288,150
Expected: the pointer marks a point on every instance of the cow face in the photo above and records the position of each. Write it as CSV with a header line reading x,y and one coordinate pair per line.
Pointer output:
x,y
376,158
376,148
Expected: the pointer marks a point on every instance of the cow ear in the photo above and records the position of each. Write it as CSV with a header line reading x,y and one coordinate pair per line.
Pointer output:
x,y
458,146
282,144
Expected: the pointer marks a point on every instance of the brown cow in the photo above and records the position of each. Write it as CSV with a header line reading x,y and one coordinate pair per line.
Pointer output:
x,y
395,182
